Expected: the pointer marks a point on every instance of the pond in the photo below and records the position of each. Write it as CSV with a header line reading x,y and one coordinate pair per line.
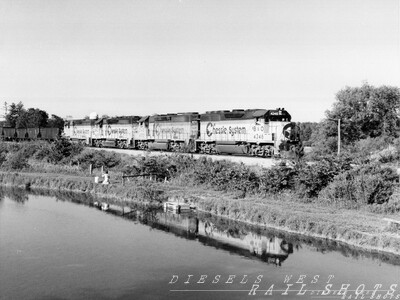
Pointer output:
x,y
60,247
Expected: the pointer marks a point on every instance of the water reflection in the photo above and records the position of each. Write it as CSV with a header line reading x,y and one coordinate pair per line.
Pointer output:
x,y
264,244
15,194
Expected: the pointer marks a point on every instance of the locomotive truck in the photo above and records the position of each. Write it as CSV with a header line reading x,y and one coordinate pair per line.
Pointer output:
x,y
257,132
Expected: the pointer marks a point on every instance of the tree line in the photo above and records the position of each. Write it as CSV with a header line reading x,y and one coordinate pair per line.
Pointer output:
x,y
365,112
19,117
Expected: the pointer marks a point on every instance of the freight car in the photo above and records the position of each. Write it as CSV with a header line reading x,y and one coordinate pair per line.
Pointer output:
x,y
257,132
27,134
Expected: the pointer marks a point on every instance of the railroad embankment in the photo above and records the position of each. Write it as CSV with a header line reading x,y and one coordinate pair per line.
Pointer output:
x,y
361,228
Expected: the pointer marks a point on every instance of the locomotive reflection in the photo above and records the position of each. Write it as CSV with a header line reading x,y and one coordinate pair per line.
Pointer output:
x,y
270,249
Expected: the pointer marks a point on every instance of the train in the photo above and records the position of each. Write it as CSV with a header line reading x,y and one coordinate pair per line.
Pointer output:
x,y
255,132
27,134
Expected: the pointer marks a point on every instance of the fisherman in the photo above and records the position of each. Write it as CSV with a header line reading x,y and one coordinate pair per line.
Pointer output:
x,y
106,178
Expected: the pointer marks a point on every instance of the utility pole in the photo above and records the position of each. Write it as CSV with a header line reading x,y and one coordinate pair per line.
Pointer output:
x,y
338,141
5,107
338,129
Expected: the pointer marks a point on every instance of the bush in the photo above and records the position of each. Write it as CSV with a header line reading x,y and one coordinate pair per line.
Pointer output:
x,y
370,184
162,167
383,149
97,159
311,179
16,161
60,151
277,179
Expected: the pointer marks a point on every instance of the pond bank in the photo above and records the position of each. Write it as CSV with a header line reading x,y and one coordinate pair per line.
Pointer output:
x,y
361,229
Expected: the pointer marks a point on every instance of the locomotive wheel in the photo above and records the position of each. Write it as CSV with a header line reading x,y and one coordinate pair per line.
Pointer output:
x,y
268,151
176,147
122,145
213,149
252,150
203,148
260,152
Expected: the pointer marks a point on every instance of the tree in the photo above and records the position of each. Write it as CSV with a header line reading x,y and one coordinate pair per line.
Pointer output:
x,y
56,121
306,130
365,112
14,112
33,117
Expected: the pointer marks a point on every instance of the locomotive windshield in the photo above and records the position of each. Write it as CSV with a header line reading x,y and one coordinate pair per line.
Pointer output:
x,y
278,115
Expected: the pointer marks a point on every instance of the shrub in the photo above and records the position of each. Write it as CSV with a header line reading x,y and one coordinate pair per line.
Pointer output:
x,y
3,157
369,184
60,151
97,159
311,179
16,161
277,179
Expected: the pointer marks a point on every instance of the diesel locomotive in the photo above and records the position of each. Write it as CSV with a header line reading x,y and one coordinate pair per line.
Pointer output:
x,y
257,132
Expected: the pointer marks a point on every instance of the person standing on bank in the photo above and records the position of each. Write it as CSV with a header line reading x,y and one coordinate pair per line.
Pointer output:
x,y
106,178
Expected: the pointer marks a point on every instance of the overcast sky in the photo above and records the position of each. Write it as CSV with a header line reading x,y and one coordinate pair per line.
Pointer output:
x,y
139,57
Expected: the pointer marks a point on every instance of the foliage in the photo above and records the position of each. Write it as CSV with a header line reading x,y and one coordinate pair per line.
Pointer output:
x,y
56,121
383,149
14,112
311,179
277,179
365,112
3,157
97,159
63,150
332,179
152,165
306,130
33,117
60,151
16,161
20,117
368,184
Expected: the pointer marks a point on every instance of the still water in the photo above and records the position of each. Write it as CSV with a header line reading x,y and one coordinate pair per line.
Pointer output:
x,y
59,247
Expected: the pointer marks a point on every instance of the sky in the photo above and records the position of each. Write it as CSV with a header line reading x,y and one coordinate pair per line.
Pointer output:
x,y
141,57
